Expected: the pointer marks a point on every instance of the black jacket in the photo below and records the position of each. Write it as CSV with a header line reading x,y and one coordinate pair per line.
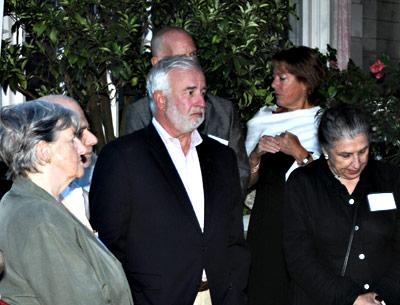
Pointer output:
x,y
144,216
317,223
221,120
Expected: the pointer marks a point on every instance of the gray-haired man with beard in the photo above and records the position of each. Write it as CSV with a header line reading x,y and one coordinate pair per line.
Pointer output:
x,y
166,200
221,118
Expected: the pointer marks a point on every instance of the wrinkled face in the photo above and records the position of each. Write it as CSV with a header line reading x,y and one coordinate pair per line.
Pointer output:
x,y
289,92
185,106
349,156
65,156
88,140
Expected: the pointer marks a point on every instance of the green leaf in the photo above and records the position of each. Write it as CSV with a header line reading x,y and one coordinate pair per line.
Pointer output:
x,y
82,21
39,28
53,36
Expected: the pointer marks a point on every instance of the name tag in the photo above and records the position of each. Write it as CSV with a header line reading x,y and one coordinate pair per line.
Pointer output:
x,y
381,202
220,140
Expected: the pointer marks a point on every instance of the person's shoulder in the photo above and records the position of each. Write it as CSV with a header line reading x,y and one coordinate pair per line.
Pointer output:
x,y
384,170
309,172
262,112
137,112
125,143
216,146
219,102
140,104
27,211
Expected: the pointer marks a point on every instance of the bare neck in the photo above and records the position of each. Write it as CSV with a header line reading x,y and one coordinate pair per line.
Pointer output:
x,y
185,140
349,184
47,182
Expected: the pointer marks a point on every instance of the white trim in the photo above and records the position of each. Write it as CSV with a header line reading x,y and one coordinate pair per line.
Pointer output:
x,y
10,98
313,25
1,18
113,104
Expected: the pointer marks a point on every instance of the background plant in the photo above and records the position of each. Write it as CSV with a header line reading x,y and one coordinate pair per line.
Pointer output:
x,y
70,47
377,93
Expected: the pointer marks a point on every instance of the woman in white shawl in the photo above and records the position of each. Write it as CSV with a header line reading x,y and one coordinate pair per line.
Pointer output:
x,y
279,139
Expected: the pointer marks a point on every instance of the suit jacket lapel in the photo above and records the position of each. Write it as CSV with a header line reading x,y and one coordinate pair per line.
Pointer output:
x,y
208,173
167,167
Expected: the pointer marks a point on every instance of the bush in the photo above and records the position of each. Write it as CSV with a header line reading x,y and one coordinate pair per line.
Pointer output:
x,y
70,47
376,92
71,44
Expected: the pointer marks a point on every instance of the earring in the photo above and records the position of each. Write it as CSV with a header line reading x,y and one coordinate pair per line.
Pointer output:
x,y
326,156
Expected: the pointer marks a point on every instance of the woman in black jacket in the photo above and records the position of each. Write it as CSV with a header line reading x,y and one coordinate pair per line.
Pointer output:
x,y
341,224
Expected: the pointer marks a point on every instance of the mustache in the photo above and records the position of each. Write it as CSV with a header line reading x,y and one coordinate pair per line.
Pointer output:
x,y
197,110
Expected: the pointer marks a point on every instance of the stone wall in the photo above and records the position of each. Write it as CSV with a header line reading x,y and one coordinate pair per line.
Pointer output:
x,y
375,29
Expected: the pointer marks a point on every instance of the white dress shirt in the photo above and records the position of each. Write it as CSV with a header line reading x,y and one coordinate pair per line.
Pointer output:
x,y
188,167
75,197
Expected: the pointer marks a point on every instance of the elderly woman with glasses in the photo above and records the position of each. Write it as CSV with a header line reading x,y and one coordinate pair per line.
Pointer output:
x,y
50,257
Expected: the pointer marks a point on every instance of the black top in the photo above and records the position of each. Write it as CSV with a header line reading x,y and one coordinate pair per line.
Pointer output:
x,y
317,224
268,281
5,184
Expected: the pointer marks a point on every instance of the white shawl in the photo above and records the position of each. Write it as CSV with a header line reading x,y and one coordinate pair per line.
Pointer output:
x,y
301,123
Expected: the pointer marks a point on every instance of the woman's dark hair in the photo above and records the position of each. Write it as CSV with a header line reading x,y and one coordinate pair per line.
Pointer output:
x,y
304,63
339,122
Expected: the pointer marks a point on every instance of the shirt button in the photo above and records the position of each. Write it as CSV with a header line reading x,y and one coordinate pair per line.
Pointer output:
x,y
351,201
366,286
361,256
356,228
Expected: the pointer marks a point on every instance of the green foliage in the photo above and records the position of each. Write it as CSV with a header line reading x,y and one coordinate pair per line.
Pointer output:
x,y
236,40
378,94
76,43
70,47
13,66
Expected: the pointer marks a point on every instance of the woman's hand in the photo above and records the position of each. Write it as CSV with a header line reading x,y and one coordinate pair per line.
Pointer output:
x,y
267,144
367,299
289,144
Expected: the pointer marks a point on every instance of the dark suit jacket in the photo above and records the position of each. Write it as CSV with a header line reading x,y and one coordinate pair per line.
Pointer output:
x,y
221,120
318,221
143,214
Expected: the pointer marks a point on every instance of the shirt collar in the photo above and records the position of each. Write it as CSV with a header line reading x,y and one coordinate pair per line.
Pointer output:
x,y
196,138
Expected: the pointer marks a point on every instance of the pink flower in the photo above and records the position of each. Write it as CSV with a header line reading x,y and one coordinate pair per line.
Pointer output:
x,y
378,75
377,67
333,64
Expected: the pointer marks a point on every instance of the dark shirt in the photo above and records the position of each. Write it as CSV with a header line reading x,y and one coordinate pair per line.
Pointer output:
x,y
5,184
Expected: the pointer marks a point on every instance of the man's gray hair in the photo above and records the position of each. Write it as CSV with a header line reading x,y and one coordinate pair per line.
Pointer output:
x,y
23,126
157,79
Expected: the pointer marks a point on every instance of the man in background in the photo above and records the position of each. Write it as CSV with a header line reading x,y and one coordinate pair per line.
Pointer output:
x,y
221,118
75,196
